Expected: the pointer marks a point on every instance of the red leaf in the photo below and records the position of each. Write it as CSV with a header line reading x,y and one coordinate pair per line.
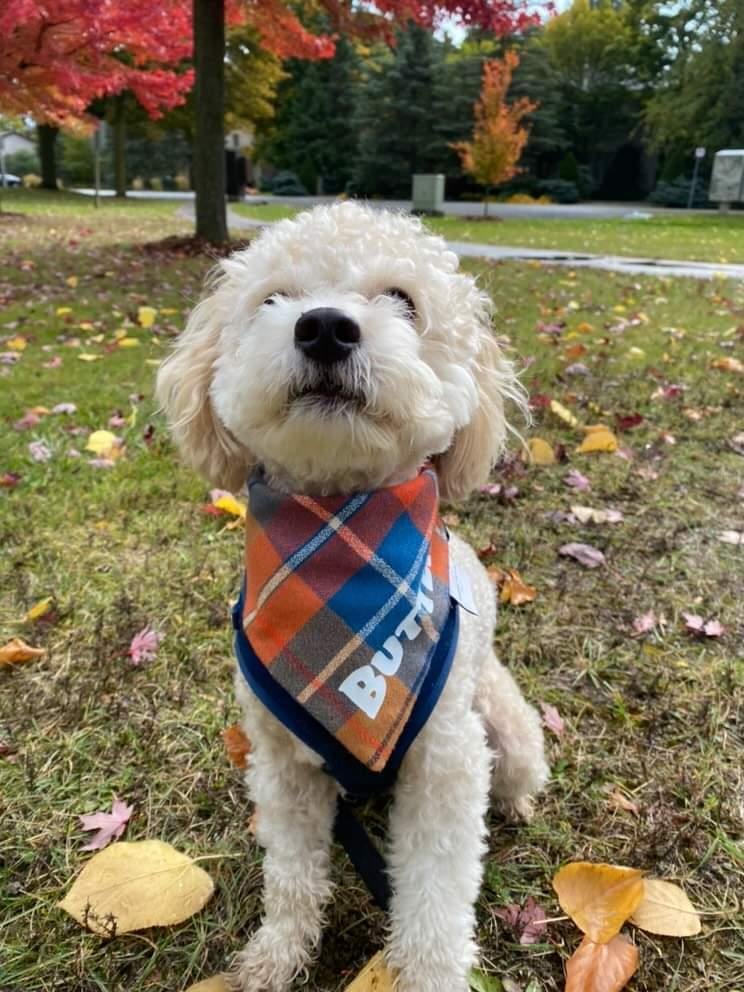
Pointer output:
x,y
628,422
527,922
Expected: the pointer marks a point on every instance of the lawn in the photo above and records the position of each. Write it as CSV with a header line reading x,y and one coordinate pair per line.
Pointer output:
x,y
648,770
701,237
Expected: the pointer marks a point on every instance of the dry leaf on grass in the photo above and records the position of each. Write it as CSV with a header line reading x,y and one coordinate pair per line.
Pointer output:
x,y
227,503
666,910
237,745
541,453
601,967
598,439
17,651
110,826
216,984
589,515
727,364
560,411
599,898
132,886
552,719
512,587
585,554
374,977
39,609
101,443
735,537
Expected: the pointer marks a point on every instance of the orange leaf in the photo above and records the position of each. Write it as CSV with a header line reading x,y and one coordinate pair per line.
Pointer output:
x,y
598,898
512,587
237,745
16,651
601,967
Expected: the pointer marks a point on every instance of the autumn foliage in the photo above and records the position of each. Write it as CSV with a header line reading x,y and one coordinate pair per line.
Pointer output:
x,y
58,56
499,135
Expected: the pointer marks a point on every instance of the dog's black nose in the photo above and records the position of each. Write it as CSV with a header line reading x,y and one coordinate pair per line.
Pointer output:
x,y
326,335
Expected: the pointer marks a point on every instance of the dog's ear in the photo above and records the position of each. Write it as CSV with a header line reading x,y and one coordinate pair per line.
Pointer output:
x,y
182,390
477,446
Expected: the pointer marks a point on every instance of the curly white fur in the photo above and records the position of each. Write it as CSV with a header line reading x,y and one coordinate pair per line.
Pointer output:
x,y
427,387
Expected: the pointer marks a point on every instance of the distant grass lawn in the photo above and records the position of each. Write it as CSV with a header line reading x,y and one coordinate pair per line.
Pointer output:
x,y
701,237
648,772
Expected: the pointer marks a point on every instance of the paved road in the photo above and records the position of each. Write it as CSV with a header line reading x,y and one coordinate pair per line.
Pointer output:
x,y
612,263
455,208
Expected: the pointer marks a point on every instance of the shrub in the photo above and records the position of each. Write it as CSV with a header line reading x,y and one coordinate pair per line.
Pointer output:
x,y
138,183
182,182
288,184
22,162
677,192
156,184
568,170
526,199
559,190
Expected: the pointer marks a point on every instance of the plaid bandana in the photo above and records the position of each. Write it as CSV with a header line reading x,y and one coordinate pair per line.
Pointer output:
x,y
345,603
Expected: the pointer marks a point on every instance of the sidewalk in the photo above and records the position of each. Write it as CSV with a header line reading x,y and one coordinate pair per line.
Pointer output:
x,y
612,263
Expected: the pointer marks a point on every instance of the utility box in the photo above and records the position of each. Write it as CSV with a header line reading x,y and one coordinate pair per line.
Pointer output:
x,y
428,194
727,180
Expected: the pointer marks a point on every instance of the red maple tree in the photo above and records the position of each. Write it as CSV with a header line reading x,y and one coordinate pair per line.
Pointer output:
x,y
56,57
499,135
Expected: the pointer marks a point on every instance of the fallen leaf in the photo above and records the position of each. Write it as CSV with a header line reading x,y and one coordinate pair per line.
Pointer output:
x,y
135,885
728,364
110,826
128,343
645,622
599,898
85,356
587,514
597,440
577,368
27,421
735,537
552,719
601,967
40,452
512,587
216,984
575,351
541,453
101,442
227,503
144,646
563,413
9,480
616,798
527,922
72,281
701,627
237,745
576,480
628,421
17,343
146,316
39,609
665,909
64,408
16,651
585,554
374,977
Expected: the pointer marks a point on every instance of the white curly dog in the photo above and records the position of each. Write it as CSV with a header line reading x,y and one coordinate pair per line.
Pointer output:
x,y
420,379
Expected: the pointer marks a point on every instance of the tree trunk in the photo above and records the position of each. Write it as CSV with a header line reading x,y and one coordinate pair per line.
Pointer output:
x,y
120,145
47,135
209,104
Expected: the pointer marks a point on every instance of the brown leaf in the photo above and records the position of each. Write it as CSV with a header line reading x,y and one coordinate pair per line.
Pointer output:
x,y
617,799
599,898
16,651
601,967
512,587
237,745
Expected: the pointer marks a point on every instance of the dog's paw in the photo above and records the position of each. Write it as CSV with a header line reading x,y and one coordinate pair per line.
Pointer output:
x,y
520,809
264,965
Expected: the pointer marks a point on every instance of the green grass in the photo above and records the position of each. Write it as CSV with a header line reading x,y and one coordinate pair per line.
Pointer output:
x,y
701,237
656,717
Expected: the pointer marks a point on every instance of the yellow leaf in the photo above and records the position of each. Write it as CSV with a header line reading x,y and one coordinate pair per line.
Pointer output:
x,y
728,364
665,909
72,281
601,967
230,505
541,453
168,311
16,651
513,588
86,325
85,357
18,343
146,316
39,609
598,898
97,338
40,411
63,311
563,413
216,984
128,342
374,977
598,439
101,442
133,885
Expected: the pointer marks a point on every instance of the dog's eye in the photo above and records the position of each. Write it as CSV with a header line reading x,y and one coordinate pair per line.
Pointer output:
x,y
275,296
402,295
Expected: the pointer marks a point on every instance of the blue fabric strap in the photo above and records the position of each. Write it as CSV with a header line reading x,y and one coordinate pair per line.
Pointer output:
x,y
369,863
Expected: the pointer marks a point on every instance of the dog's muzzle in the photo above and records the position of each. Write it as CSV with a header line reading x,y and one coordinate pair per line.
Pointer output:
x,y
326,335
